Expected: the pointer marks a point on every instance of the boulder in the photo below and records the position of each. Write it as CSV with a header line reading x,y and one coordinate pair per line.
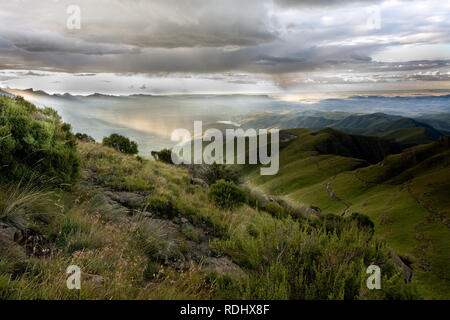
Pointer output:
x,y
199,182
224,266
9,248
9,233
128,199
94,278
408,273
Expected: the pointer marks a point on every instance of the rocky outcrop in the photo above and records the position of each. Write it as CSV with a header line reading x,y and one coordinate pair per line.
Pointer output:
x,y
223,266
9,247
183,243
132,200
93,278
199,182
408,273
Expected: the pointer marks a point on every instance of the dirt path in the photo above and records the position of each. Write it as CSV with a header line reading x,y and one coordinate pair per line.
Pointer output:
x,y
336,198
330,192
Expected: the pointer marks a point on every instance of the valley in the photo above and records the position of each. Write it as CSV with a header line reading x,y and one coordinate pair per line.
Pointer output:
x,y
404,195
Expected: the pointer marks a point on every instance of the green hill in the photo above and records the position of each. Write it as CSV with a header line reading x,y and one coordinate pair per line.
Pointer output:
x,y
405,195
373,124
286,121
411,136
440,121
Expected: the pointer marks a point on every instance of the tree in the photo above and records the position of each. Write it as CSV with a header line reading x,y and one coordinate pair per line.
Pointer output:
x,y
164,155
121,143
84,137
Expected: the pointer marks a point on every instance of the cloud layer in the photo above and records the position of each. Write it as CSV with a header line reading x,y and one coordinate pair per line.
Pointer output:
x,y
286,39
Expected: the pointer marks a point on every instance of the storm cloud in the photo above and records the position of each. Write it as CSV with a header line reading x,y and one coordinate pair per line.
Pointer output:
x,y
281,38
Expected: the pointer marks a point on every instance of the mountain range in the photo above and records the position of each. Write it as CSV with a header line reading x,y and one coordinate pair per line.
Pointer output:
x,y
405,130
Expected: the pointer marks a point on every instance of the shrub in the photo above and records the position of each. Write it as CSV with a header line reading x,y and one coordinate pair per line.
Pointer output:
x,y
276,210
363,221
164,155
226,194
121,143
34,140
215,172
162,207
333,222
84,137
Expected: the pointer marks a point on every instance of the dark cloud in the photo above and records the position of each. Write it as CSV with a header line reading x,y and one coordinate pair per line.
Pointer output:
x,y
51,42
316,3
142,24
214,36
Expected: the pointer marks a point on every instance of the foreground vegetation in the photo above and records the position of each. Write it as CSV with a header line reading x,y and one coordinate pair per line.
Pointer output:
x,y
142,229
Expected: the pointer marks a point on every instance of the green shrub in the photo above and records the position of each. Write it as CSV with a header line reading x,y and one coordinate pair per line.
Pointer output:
x,y
333,222
162,207
121,143
363,221
226,194
192,233
84,137
276,210
215,172
34,140
164,155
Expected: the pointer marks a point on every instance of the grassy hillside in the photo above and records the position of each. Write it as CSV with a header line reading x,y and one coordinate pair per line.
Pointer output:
x,y
410,136
141,229
315,155
440,121
404,195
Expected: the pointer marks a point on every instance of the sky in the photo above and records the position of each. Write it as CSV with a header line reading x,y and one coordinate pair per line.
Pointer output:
x,y
224,46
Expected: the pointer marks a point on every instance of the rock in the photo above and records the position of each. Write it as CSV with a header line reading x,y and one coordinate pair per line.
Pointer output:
x,y
9,247
273,198
286,137
147,214
184,220
223,266
408,273
95,279
128,199
199,182
38,116
9,233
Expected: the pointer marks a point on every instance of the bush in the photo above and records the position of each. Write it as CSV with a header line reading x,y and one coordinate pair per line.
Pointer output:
x,y
333,222
216,172
226,194
363,221
84,137
162,207
34,140
121,143
276,210
164,155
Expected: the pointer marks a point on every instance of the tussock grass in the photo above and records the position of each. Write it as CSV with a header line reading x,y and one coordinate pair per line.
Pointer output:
x,y
20,203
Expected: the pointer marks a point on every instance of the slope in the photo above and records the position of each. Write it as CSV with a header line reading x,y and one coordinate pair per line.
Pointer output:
x,y
411,136
406,196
